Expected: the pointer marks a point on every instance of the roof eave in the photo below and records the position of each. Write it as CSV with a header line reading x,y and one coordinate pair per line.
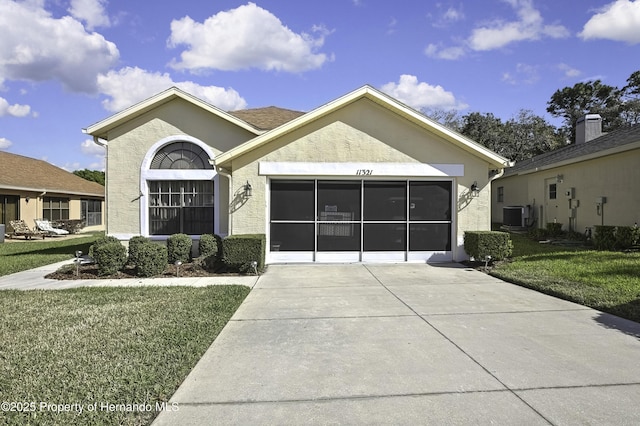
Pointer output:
x,y
101,129
374,95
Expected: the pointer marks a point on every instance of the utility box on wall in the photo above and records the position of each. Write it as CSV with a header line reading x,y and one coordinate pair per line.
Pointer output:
x,y
570,193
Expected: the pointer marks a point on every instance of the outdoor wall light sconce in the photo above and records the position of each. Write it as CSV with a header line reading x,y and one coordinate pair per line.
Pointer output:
x,y
560,178
248,190
27,199
475,191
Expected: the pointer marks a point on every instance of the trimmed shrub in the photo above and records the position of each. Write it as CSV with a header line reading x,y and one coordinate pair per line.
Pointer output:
x,y
152,259
554,229
480,244
179,248
210,249
210,245
538,234
134,248
604,237
110,258
238,251
107,239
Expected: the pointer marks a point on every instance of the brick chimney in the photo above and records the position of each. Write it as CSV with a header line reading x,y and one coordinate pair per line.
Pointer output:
x,y
588,128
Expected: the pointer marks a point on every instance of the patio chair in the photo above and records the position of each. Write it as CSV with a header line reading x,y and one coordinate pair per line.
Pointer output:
x,y
21,229
45,226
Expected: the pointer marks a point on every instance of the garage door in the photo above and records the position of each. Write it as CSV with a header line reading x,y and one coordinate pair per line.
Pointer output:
x,y
360,220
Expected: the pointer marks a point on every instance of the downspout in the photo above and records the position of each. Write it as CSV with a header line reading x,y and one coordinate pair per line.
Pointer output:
x,y
105,144
229,176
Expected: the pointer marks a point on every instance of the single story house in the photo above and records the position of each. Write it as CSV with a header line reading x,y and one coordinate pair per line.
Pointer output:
x,y
361,178
34,189
593,181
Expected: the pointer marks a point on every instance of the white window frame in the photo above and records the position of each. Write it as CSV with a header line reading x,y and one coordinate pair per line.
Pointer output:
x,y
147,174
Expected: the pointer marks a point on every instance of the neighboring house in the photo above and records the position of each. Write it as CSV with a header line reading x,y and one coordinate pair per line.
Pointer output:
x,y
593,181
34,189
362,178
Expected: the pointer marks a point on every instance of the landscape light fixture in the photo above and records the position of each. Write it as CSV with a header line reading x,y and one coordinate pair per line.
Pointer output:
x,y
178,263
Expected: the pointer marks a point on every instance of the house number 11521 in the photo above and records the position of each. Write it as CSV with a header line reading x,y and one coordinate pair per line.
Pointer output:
x,y
364,172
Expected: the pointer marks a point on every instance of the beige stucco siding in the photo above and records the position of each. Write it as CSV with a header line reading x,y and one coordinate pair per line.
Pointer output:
x,y
615,177
361,132
131,142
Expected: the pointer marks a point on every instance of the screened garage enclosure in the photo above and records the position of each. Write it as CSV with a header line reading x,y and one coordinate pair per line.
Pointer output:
x,y
360,220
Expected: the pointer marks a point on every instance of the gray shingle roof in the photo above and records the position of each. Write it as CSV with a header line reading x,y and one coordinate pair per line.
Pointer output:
x,y
267,118
17,171
617,138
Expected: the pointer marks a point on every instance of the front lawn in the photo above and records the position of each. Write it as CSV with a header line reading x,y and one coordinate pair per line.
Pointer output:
x,y
604,280
19,256
117,354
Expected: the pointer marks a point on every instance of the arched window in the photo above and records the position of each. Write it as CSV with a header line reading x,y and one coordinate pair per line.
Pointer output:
x,y
181,156
179,188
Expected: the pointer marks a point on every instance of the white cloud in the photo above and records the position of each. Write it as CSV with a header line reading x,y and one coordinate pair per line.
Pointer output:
x,y
131,85
89,147
528,26
450,53
524,74
446,17
569,71
92,149
617,21
15,110
421,95
37,47
4,143
92,12
242,38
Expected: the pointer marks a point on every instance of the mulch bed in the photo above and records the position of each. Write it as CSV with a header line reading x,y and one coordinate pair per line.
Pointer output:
x,y
88,272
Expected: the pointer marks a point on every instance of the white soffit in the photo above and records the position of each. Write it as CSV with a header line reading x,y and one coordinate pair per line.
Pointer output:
x,y
267,168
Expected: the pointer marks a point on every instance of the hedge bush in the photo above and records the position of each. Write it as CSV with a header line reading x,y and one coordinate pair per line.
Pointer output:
x,y
152,259
110,257
107,239
210,250
604,237
179,248
480,244
554,229
135,243
238,251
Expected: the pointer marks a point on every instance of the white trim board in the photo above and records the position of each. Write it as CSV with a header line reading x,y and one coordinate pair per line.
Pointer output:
x,y
361,170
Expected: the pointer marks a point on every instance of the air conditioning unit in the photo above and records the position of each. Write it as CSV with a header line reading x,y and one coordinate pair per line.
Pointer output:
x,y
513,215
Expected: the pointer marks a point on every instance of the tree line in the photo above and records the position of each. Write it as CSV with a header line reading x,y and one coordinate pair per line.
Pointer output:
x,y
527,134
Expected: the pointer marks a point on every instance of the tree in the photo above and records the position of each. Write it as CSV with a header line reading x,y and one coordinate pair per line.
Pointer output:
x,y
631,100
92,175
591,97
521,137
450,118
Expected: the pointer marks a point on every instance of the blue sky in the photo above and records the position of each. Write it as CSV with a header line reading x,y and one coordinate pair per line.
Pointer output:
x,y
66,64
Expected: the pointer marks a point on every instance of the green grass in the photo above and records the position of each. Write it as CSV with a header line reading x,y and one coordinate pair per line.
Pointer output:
x,y
22,255
604,280
105,345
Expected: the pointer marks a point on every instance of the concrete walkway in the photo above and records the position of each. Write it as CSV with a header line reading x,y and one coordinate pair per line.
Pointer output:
x,y
411,344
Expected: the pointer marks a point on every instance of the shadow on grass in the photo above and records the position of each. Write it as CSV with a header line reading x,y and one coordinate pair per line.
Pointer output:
x,y
624,318
69,249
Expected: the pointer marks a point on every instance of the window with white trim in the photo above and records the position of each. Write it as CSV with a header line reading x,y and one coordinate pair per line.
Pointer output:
x,y
184,205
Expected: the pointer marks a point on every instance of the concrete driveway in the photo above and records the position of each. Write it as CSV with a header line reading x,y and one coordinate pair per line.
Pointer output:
x,y
411,344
